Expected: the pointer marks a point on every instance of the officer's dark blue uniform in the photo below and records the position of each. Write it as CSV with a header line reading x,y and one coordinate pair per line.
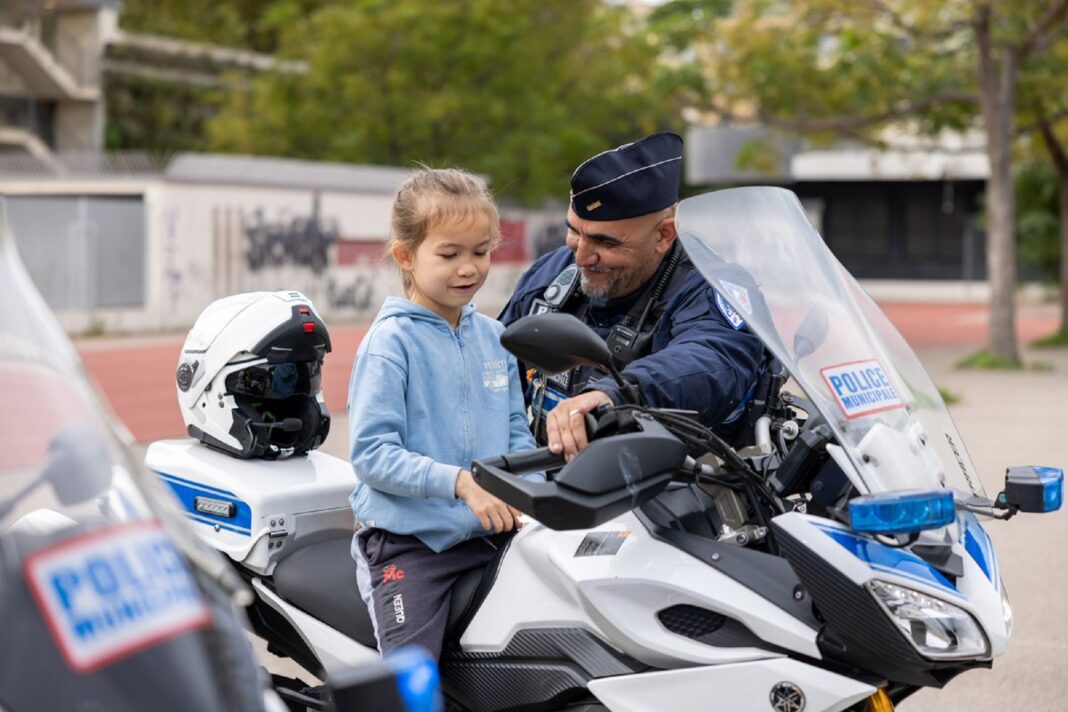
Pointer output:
x,y
698,354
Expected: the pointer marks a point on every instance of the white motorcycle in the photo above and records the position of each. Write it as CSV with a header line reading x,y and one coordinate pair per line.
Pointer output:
x,y
833,561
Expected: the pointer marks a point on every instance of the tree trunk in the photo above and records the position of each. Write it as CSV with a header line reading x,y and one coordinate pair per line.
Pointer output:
x,y
1064,254
997,80
1001,242
1060,161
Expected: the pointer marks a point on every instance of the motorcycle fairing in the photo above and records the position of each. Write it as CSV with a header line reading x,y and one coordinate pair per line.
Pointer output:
x,y
740,687
860,558
897,562
619,596
978,545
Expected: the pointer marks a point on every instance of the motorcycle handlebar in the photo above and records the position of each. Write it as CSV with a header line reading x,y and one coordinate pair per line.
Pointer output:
x,y
524,461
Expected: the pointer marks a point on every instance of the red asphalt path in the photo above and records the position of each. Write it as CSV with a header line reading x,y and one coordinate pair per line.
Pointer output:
x,y
137,375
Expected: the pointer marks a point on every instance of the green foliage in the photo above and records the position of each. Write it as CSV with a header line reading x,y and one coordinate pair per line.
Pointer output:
x,y
844,66
987,360
167,115
162,116
522,91
948,396
1057,340
245,24
1038,219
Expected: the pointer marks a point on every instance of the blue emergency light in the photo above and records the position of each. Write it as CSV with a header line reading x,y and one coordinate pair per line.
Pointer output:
x,y
406,680
417,678
1033,489
901,512
1052,487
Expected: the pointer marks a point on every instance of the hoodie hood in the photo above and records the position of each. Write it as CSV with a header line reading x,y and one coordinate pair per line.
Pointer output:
x,y
400,306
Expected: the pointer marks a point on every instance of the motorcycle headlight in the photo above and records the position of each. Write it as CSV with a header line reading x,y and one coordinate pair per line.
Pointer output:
x,y
937,629
1006,610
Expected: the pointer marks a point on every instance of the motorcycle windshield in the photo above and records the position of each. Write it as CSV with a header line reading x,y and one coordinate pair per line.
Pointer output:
x,y
105,599
772,270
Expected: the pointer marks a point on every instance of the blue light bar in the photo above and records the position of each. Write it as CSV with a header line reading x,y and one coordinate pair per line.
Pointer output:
x,y
1052,479
901,512
417,678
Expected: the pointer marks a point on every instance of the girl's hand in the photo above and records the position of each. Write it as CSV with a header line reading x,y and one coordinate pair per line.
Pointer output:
x,y
494,515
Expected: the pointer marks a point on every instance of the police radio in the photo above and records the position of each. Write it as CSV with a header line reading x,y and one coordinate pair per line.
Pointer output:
x,y
627,343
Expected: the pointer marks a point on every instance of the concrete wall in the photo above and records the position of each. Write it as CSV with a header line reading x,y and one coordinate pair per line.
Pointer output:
x,y
202,242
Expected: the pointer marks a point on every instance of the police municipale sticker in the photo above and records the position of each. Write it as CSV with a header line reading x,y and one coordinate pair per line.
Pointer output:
x,y
110,593
862,388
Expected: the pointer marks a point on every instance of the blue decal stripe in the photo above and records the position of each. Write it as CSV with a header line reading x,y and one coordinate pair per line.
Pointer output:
x,y
889,560
977,543
187,492
196,485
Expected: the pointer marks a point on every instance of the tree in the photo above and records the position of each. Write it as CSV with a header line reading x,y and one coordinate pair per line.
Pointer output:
x,y
241,24
1044,114
522,91
162,103
847,68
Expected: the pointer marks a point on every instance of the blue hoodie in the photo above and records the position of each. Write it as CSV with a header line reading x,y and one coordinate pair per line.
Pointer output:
x,y
425,400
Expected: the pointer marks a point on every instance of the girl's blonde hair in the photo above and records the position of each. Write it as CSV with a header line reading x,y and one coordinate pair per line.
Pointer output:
x,y
436,196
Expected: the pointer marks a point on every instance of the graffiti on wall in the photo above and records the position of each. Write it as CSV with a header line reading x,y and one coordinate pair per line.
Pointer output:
x,y
303,241
357,294
337,261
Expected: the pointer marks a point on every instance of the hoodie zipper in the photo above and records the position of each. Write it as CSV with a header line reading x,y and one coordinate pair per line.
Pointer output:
x,y
464,406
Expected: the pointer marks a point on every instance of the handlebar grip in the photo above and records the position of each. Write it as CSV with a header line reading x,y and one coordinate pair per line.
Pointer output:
x,y
527,460
532,460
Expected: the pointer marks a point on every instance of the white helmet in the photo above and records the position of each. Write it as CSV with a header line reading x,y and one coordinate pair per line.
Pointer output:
x,y
250,376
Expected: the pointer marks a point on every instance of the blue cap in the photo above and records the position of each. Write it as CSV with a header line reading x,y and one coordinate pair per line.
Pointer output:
x,y
635,179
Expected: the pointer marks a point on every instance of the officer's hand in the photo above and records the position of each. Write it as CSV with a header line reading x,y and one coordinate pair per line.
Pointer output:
x,y
565,425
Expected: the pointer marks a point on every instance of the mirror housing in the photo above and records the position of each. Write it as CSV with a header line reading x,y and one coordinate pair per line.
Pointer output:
x,y
81,448
555,342
1032,489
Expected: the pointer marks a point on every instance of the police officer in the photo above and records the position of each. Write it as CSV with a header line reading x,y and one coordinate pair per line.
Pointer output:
x,y
624,274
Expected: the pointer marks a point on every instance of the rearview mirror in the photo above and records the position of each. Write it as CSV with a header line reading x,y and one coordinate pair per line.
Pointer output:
x,y
556,342
1033,489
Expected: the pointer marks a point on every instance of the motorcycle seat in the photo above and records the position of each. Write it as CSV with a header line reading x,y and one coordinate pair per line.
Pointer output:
x,y
320,579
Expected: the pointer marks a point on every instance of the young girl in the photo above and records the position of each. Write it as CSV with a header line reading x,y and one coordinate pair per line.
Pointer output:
x,y
432,390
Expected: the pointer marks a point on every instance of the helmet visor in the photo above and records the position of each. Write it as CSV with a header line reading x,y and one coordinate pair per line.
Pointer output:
x,y
277,381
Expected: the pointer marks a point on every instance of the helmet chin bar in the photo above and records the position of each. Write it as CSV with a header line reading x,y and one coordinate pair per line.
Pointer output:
x,y
301,424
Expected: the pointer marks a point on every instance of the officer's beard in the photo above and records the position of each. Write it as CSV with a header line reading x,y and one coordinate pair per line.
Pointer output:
x,y
601,289
621,282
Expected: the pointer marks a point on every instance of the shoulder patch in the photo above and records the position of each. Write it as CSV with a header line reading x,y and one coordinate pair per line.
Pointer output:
x,y
740,295
733,318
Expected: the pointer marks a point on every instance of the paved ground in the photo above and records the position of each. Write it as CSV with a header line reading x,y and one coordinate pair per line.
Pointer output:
x,y
1006,418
